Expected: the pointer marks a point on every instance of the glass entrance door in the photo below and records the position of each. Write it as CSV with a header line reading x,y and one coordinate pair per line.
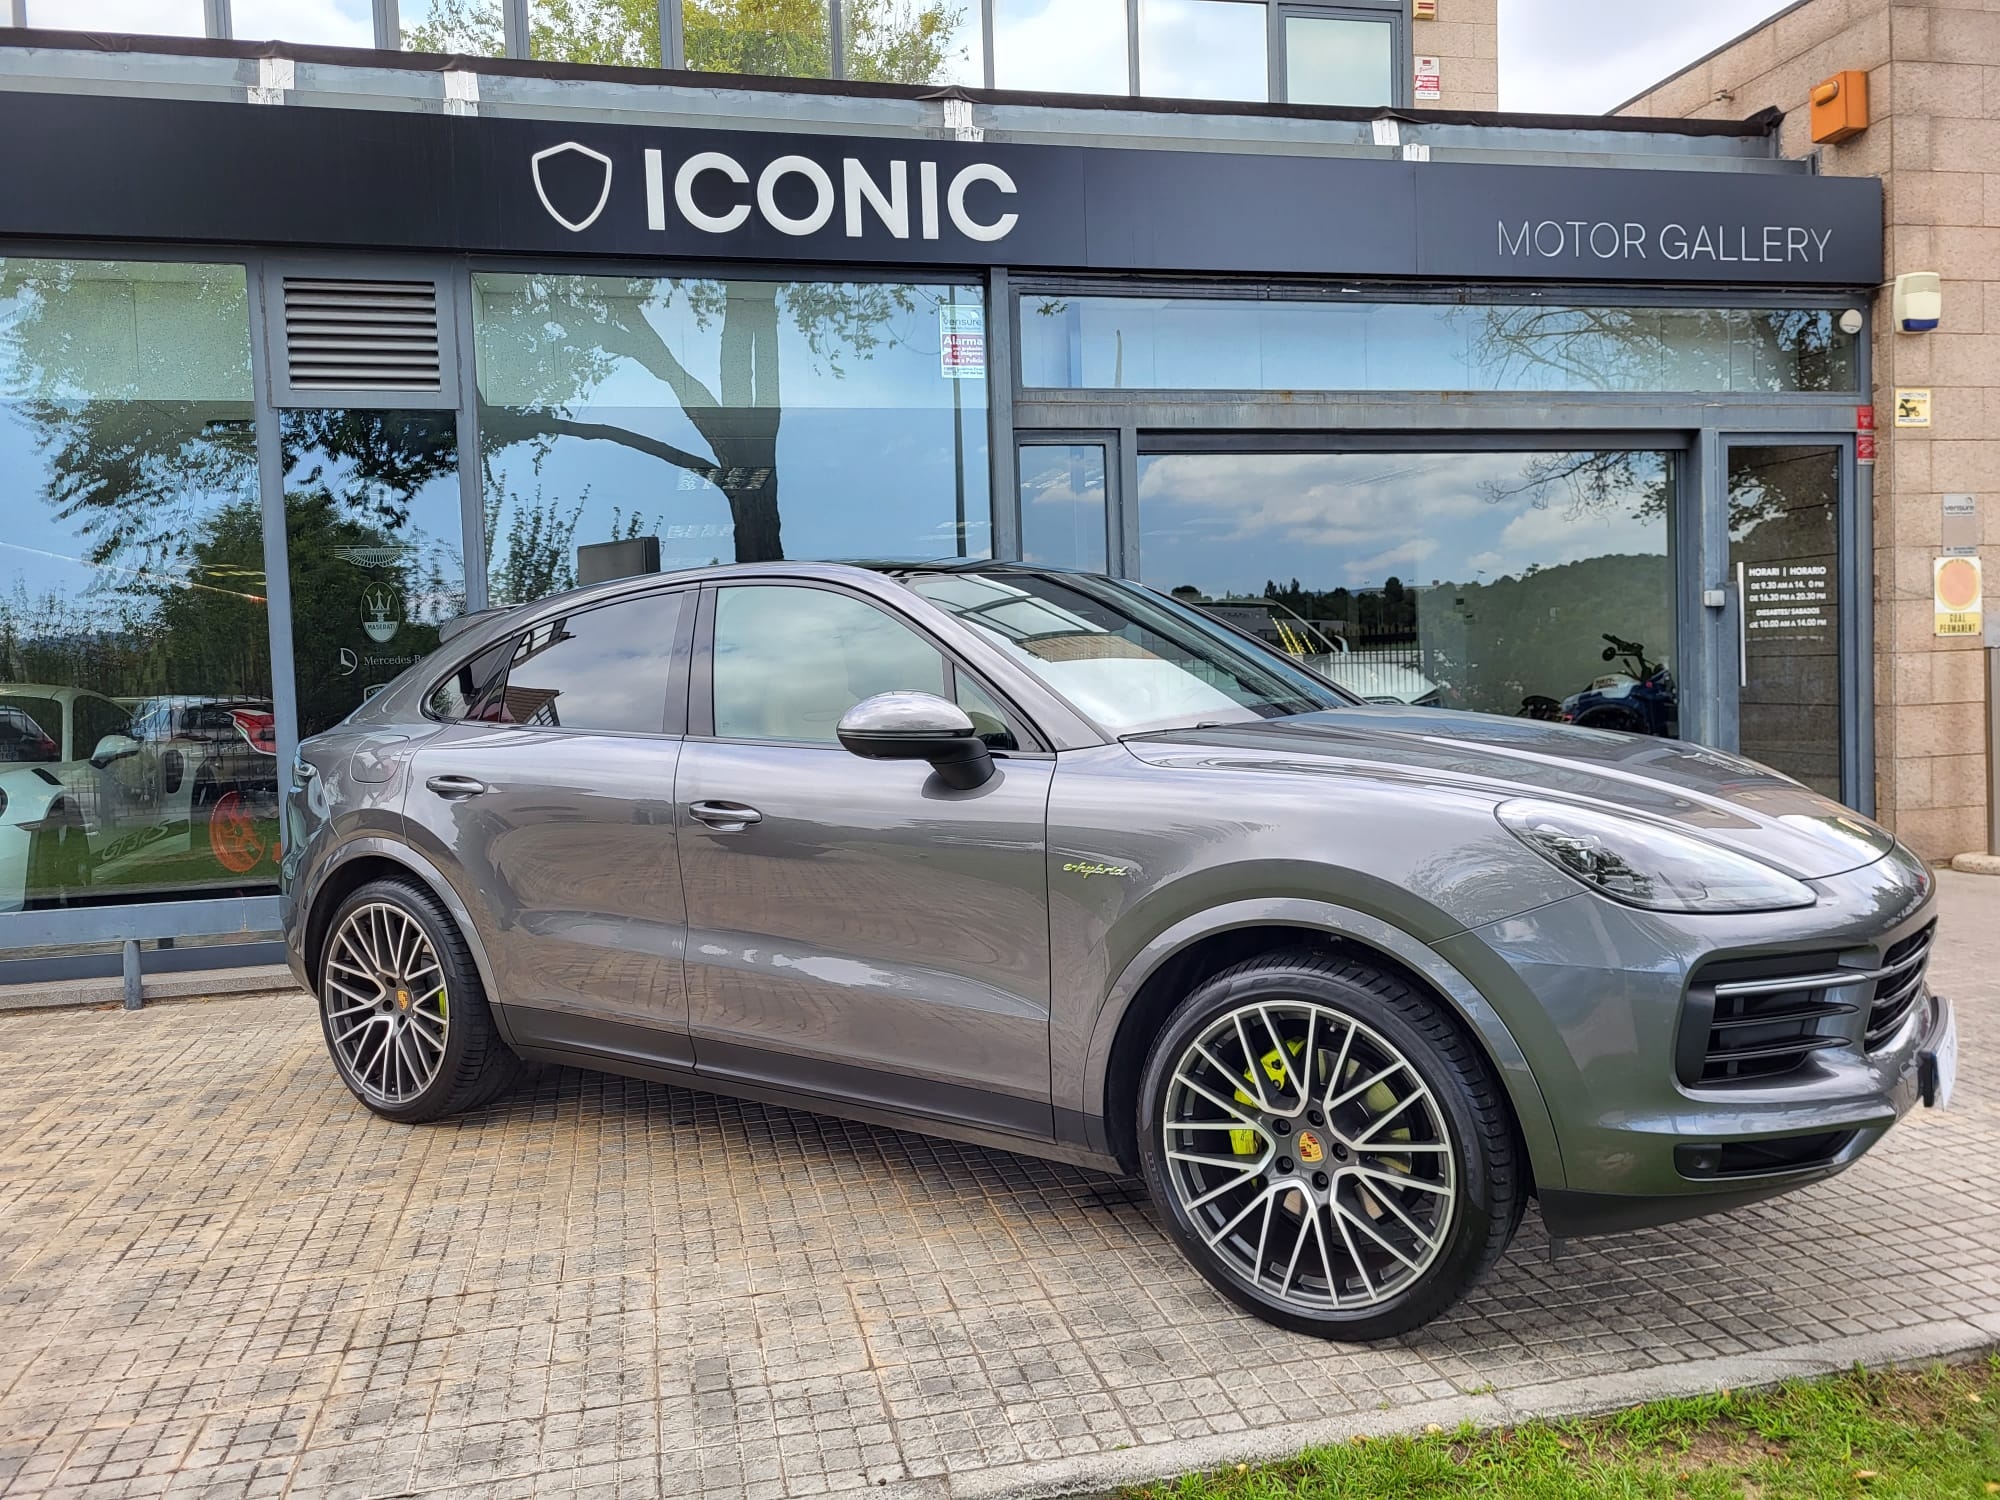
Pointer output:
x,y
1784,560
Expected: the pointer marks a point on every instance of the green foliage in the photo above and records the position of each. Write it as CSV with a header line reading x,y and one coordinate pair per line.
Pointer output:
x,y
1897,1436
888,41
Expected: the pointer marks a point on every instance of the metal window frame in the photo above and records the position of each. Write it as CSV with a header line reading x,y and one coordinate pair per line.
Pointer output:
x,y
1107,438
1402,82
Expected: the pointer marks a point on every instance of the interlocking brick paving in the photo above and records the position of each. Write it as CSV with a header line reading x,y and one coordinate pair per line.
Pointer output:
x,y
219,1276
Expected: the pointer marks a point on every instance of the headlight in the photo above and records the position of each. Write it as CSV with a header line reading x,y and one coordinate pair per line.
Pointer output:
x,y
1647,865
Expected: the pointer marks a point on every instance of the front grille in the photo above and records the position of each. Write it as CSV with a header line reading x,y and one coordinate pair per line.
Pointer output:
x,y
1901,982
1761,1018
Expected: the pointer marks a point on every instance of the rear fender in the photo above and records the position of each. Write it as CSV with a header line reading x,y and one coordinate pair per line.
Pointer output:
x,y
370,846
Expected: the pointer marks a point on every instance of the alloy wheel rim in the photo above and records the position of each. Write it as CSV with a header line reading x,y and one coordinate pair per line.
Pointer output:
x,y
383,994
1310,1156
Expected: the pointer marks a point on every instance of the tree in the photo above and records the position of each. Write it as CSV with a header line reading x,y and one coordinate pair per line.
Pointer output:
x,y
888,41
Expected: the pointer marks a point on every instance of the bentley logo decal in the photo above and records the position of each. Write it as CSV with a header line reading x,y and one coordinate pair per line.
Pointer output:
x,y
574,226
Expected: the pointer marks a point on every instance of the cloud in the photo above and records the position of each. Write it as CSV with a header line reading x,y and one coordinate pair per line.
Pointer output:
x,y
1587,56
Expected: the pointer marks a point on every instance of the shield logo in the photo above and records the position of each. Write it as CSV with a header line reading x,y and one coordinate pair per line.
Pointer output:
x,y
575,175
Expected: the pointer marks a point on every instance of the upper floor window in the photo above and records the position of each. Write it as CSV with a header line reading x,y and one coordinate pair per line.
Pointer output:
x,y
1215,343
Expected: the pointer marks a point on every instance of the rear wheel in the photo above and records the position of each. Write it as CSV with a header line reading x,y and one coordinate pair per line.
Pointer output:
x,y
403,1011
1329,1149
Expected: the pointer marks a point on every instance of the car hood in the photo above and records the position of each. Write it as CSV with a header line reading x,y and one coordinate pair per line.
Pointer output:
x,y
1720,797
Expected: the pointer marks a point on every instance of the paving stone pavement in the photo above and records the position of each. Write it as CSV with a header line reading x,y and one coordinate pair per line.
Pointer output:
x,y
219,1276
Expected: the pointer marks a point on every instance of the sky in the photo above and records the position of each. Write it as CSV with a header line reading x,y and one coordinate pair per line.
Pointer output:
x,y
1585,56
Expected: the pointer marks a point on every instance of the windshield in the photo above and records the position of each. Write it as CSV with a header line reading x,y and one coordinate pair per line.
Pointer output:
x,y
1128,659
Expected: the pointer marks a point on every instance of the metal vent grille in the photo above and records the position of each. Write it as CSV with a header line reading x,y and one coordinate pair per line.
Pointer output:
x,y
361,335
1902,982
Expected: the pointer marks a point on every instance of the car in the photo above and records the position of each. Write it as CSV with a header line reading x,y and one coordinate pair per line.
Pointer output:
x,y
1376,675
209,766
58,805
1052,862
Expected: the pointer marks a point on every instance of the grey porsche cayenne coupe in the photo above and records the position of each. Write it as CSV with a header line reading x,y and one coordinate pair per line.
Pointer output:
x,y
1050,862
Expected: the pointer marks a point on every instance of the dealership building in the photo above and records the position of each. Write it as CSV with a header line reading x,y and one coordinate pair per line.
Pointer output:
x,y
305,349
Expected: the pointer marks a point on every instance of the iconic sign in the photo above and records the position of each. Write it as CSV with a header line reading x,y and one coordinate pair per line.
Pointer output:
x,y
162,169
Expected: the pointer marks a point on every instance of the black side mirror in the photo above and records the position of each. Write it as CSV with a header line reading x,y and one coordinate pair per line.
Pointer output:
x,y
919,726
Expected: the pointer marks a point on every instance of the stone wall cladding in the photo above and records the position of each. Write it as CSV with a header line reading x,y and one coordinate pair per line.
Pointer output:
x,y
1934,100
1465,38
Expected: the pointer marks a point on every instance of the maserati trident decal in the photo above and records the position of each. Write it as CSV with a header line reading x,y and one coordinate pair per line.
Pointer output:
x,y
574,226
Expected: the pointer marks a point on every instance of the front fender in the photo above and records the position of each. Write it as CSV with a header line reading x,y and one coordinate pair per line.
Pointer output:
x,y
1531,1110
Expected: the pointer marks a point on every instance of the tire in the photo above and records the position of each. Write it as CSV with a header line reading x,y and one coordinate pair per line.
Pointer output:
x,y
1618,720
426,1052
58,867
1423,1163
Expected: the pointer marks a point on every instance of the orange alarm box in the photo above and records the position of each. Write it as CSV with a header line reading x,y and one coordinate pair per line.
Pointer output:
x,y
1840,107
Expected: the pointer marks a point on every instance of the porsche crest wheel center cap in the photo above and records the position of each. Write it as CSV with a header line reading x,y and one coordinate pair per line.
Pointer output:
x,y
1311,1148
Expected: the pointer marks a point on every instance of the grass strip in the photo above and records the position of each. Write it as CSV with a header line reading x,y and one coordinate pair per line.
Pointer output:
x,y
1932,1434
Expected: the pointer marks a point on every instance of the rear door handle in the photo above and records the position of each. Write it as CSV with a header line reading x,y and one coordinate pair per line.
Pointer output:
x,y
455,788
724,817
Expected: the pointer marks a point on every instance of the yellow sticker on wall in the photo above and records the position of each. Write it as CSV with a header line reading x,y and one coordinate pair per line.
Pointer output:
x,y
1959,595
1913,407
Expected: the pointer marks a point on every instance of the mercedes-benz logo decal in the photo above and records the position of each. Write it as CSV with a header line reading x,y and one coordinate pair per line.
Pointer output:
x,y
574,226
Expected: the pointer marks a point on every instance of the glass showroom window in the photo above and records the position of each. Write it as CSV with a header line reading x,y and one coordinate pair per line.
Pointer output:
x,y
1213,343
737,421
137,753
1487,581
373,533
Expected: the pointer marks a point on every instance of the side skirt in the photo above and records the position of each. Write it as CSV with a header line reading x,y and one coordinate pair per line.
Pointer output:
x,y
537,1042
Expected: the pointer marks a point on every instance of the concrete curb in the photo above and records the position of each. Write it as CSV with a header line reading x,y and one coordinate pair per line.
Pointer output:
x,y
254,979
1591,1395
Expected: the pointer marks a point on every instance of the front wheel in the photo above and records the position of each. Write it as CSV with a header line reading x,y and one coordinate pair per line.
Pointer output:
x,y
1327,1146
402,1009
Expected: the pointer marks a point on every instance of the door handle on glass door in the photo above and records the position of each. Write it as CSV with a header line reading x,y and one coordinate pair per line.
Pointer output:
x,y
724,817
455,788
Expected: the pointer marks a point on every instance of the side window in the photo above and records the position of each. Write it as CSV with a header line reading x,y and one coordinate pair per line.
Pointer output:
x,y
95,720
986,715
459,694
605,669
789,662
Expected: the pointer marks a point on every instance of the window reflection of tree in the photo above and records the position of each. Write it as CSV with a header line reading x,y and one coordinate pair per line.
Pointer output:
x,y
1655,349
563,337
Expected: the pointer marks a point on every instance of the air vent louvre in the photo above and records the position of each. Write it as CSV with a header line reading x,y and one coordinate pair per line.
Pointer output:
x,y
361,335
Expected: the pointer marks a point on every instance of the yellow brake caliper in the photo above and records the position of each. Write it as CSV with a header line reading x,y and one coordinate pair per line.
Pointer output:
x,y
1244,1142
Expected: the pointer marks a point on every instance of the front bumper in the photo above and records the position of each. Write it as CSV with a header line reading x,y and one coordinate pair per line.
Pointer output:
x,y
1598,994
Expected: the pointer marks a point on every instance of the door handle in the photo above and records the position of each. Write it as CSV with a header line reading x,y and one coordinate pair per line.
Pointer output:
x,y
456,788
724,817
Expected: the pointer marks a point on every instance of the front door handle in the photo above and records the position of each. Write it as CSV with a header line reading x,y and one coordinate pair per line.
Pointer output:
x,y
724,817
456,788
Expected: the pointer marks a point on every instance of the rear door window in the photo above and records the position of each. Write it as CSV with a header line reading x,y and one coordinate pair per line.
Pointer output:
x,y
606,669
